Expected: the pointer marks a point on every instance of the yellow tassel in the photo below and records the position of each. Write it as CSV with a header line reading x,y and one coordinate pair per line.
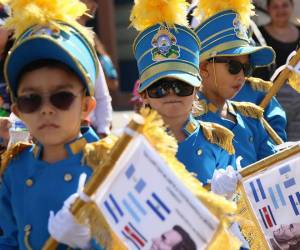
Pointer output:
x,y
224,240
208,8
248,227
11,153
294,81
100,229
249,109
95,154
259,84
219,135
147,13
27,13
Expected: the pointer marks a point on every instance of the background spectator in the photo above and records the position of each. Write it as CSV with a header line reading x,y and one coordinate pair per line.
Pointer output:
x,y
284,36
101,118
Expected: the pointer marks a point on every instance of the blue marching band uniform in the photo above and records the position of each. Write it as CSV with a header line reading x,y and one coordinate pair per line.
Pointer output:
x,y
211,142
254,91
21,187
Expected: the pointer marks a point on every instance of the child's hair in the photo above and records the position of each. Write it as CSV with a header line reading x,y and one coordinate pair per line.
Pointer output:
x,y
46,63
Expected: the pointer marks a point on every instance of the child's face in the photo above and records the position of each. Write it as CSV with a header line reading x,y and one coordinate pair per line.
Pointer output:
x,y
50,125
217,79
171,105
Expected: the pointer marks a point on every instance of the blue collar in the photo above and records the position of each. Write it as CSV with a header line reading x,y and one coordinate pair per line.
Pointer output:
x,y
190,126
74,147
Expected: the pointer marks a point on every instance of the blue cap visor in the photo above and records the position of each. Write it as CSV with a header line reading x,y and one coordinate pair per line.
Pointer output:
x,y
258,56
37,49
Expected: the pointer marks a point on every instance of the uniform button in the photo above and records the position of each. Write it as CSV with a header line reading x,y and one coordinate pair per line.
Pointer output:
x,y
251,139
68,177
199,152
29,182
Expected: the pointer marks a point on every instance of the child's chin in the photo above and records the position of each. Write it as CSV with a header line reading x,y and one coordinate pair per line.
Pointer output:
x,y
53,141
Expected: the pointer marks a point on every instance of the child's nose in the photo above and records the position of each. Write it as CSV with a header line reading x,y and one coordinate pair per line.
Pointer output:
x,y
46,107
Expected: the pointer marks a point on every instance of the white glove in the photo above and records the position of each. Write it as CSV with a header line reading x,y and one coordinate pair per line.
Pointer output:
x,y
224,182
238,163
63,226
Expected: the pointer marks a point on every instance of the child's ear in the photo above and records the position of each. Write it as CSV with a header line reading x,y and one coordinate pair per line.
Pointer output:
x,y
204,70
88,105
144,97
15,110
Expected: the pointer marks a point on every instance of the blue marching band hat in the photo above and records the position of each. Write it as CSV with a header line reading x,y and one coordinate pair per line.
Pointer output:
x,y
162,51
57,40
165,46
223,35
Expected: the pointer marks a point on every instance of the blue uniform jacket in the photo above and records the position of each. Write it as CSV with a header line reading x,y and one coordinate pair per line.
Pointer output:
x,y
199,155
251,140
30,188
274,113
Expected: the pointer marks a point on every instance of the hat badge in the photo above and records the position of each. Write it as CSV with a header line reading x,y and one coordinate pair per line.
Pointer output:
x,y
240,30
164,46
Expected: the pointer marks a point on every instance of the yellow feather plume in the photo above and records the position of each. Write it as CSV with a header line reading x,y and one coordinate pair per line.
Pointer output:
x,y
27,13
294,81
208,8
147,13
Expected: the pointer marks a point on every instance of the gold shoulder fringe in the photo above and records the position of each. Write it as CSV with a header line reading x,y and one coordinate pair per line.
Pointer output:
x,y
219,135
10,153
199,108
259,84
249,109
94,154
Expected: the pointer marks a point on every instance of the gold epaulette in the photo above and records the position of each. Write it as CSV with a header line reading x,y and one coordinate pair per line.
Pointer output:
x,y
259,84
249,109
94,154
219,135
199,108
11,153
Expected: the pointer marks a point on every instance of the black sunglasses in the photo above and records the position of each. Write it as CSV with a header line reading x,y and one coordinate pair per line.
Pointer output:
x,y
162,87
234,67
32,102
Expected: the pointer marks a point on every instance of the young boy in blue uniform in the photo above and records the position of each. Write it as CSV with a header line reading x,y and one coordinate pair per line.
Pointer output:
x,y
227,57
168,62
255,90
51,71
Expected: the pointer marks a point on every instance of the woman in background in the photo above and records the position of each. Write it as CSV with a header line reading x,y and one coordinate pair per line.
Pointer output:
x,y
284,37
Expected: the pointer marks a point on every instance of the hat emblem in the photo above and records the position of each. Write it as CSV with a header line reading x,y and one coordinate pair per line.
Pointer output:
x,y
164,46
240,30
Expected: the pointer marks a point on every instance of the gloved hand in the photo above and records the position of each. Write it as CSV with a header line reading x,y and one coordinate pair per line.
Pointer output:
x,y
64,228
224,182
